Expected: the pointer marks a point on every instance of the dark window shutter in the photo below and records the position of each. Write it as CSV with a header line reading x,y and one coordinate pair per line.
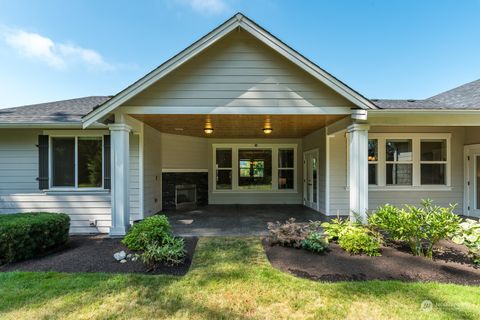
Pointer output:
x,y
106,163
42,162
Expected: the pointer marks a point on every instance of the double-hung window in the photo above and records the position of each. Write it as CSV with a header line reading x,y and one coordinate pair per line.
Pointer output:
x,y
286,168
403,160
76,162
372,161
433,161
399,161
223,168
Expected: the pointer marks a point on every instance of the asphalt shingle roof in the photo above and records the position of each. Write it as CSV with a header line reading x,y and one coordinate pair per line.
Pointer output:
x,y
407,104
64,111
465,97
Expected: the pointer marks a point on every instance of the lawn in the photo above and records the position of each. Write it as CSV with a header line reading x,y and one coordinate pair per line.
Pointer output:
x,y
230,279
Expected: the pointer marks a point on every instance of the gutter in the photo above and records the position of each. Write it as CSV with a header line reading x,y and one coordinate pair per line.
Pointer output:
x,y
47,125
423,111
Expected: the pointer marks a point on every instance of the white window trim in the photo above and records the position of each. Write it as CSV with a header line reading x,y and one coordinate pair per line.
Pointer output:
x,y
235,165
66,134
416,138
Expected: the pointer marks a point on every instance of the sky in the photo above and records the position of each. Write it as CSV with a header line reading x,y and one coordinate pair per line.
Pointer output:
x,y
407,49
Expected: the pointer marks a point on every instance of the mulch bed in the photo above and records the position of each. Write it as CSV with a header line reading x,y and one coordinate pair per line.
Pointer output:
x,y
450,265
95,254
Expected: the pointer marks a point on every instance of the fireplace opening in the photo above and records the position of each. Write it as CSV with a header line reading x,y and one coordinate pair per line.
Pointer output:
x,y
185,196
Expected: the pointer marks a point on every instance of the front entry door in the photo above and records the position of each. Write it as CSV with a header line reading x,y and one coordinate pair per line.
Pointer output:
x,y
310,179
473,180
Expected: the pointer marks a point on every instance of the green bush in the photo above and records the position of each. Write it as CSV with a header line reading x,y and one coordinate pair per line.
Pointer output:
x,y
359,239
154,237
172,252
25,235
420,227
315,242
468,234
333,229
154,229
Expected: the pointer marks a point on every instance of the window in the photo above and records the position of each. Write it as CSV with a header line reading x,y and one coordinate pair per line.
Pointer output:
x,y
248,167
399,161
255,169
433,161
372,161
408,160
89,162
63,162
77,162
223,169
286,168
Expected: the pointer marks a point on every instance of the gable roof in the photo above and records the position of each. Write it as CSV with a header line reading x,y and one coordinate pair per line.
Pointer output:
x,y
65,111
464,97
70,112
237,21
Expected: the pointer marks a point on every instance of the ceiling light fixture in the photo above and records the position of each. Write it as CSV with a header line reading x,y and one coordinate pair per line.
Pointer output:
x,y
208,130
267,130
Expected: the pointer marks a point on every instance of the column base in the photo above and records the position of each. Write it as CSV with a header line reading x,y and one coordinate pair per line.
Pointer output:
x,y
118,232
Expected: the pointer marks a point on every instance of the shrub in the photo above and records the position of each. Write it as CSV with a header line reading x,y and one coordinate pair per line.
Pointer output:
x,y
468,234
25,235
315,242
154,229
420,227
358,239
154,237
333,229
288,234
172,252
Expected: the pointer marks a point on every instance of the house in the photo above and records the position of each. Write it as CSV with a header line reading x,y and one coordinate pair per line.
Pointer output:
x,y
238,117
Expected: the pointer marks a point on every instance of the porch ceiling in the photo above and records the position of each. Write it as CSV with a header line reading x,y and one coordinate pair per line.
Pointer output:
x,y
239,126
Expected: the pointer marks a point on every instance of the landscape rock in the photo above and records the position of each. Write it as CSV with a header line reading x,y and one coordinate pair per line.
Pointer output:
x,y
119,255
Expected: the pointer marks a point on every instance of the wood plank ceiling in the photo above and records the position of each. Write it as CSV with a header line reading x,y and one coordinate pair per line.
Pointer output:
x,y
239,126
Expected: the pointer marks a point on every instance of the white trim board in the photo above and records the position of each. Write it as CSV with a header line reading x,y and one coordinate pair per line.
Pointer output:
x,y
468,151
237,21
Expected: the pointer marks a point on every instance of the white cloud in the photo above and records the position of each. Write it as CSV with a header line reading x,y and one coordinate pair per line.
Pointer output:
x,y
206,6
57,55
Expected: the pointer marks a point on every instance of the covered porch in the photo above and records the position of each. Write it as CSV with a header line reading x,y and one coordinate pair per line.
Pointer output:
x,y
236,220
237,176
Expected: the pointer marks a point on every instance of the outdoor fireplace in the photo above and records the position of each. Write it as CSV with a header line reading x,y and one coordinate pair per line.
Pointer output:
x,y
171,181
185,195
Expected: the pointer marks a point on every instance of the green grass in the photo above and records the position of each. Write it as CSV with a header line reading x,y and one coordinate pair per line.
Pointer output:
x,y
229,279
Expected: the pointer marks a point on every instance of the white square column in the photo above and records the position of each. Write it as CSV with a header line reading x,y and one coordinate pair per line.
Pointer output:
x,y
358,170
120,197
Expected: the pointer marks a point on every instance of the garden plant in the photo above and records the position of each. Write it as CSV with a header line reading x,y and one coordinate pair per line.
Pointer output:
x,y
420,227
153,237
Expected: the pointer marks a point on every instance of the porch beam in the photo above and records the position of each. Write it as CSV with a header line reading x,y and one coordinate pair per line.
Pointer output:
x,y
358,170
338,126
120,195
